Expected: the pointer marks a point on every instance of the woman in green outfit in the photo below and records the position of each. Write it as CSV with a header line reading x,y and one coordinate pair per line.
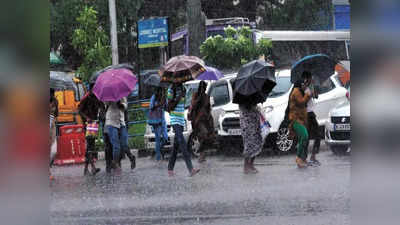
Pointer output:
x,y
298,116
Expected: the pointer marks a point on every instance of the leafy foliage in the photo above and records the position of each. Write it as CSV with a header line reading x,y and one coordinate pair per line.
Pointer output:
x,y
235,50
91,42
295,14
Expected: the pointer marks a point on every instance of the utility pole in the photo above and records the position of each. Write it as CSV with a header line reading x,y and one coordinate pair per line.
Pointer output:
x,y
196,26
113,31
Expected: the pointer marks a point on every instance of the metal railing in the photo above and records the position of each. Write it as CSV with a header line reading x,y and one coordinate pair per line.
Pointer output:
x,y
137,115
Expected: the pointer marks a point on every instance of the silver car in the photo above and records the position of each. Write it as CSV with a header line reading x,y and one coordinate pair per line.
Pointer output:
x,y
338,129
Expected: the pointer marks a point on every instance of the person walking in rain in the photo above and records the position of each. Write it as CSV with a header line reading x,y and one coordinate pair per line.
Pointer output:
x,y
313,127
123,135
202,120
89,110
251,133
53,113
176,102
116,130
298,99
156,119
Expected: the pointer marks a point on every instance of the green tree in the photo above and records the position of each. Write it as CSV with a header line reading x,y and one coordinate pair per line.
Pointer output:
x,y
91,42
63,14
235,50
294,14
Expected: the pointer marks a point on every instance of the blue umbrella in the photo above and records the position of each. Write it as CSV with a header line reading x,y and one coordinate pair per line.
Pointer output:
x,y
211,73
320,66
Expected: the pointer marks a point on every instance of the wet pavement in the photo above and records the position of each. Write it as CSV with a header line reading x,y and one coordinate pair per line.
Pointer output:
x,y
219,194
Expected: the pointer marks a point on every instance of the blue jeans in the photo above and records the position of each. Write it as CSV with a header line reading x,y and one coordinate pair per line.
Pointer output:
x,y
158,129
117,141
180,142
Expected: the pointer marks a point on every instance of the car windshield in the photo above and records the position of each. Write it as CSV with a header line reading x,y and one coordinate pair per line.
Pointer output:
x,y
282,86
190,89
220,93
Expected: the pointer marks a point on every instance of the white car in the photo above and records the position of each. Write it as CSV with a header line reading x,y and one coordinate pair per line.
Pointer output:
x,y
331,94
221,94
338,129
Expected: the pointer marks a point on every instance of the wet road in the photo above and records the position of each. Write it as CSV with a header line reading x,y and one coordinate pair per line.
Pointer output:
x,y
219,194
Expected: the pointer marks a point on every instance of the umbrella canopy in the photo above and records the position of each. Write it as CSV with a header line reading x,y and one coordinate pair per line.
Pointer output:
x,y
254,82
320,66
96,74
61,81
114,84
180,69
211,73
155,80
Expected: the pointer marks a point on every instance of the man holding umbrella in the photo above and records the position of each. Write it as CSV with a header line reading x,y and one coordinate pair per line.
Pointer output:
x,y
178,70
312,123
112,86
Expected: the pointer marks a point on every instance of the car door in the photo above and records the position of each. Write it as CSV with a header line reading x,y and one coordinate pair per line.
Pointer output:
x,y
219,91
330,95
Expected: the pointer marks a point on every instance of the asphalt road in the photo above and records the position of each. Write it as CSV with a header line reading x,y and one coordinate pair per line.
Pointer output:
x,y
219,194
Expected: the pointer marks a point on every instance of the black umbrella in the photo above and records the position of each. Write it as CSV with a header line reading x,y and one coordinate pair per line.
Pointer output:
x,y
155,80
320,66
94,76
254,82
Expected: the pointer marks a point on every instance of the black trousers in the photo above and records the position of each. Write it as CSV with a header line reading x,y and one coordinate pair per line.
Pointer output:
x,y
314,132
90,149
108,150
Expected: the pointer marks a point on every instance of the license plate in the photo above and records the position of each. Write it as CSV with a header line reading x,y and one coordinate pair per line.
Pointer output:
x,y
235,132
342,127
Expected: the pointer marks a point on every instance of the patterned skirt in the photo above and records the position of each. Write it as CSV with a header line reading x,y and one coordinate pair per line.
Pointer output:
x,y
251,132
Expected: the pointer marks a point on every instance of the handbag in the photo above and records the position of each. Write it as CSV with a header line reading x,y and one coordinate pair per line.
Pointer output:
x,y
155,116
265,127
92,129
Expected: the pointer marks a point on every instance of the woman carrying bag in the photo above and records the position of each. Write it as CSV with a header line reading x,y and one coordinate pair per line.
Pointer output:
x,y
202,120
156,118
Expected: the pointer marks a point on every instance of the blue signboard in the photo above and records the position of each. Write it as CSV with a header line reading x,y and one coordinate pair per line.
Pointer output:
x,y
153,33
342,17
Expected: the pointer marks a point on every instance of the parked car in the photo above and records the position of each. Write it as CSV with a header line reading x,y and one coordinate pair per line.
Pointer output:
x,y
221,95
332,93
338,128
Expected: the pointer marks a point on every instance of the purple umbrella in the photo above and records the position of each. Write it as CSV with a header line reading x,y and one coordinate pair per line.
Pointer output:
x,y
114,84
211,73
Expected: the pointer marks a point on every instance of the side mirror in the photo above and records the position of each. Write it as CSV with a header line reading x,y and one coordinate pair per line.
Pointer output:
x,y
212,101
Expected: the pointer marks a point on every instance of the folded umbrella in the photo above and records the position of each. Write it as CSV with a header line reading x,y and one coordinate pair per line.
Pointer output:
x,y
155,80
254,82
211,73
114,84
320,66
180,69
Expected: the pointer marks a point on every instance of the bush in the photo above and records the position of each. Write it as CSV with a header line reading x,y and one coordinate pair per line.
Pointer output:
x,y
235,50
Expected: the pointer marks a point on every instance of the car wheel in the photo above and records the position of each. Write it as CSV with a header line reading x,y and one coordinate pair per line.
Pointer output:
x,y
194,145
284,142
339,150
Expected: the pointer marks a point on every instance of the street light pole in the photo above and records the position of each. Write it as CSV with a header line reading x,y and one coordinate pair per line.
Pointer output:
x,y
113,31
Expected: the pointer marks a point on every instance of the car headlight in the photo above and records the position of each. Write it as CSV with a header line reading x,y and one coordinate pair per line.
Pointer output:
x,y
149,129
222,114
269,109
